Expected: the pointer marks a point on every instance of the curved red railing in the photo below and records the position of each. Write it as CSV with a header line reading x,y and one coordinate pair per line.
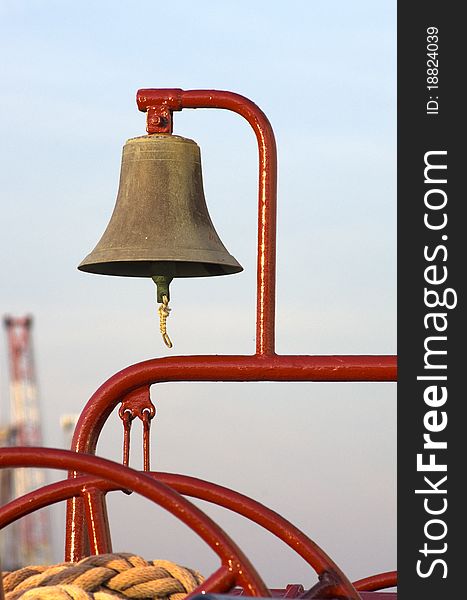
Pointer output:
x,y
219,495
323,565
381,581
235,567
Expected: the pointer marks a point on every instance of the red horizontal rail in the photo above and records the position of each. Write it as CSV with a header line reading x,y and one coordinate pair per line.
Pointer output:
x,y
223,368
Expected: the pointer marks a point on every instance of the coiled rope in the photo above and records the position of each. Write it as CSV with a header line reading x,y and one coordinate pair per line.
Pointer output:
x,y
102,577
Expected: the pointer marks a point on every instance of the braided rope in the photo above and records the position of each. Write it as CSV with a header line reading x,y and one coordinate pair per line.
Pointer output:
x,y
102,577
164,312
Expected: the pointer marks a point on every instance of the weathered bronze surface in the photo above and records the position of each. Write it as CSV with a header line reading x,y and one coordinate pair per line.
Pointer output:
x,y
160,224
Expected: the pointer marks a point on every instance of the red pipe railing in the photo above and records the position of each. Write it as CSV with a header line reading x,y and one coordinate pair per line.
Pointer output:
x,y
222,368
235,569
381,581
322,564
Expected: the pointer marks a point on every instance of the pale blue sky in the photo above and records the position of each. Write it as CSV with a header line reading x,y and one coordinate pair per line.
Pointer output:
x,y
324,73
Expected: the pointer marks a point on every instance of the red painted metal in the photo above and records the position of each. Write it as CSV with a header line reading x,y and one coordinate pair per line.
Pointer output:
x,y
236,569
126,420
380,581
149,100
95,510
223,368
146,441
137,404
337,583
271,521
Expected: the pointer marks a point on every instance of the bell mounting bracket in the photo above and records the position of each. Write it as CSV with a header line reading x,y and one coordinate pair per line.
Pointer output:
x,y
159,106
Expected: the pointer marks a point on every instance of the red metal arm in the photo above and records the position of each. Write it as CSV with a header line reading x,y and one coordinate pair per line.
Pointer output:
x,y
157,102
223,368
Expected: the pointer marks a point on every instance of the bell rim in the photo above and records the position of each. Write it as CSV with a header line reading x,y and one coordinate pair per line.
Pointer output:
x,y
149,268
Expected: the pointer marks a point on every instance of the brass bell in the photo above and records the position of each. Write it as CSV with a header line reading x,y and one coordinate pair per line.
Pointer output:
x,y
160,226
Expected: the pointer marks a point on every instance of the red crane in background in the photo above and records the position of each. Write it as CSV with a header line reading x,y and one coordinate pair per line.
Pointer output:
x,y
29,543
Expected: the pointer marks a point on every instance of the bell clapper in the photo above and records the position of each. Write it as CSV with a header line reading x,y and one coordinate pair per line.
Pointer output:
x,y
164,312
